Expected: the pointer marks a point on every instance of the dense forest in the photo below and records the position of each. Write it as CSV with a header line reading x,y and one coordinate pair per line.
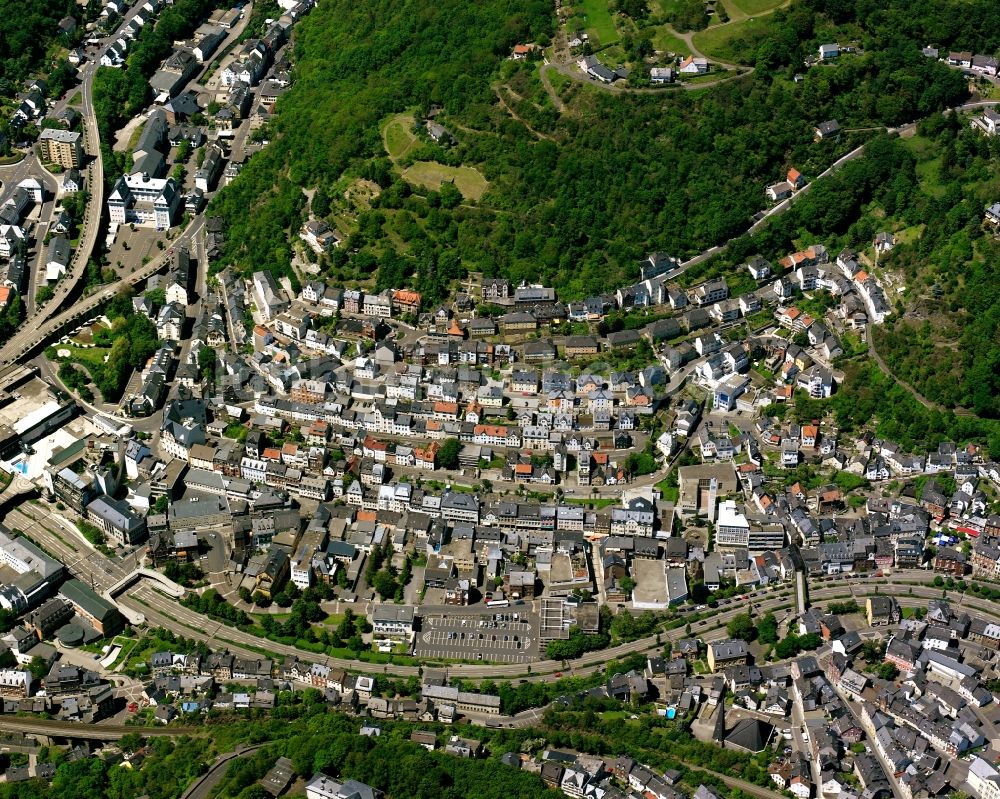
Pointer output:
x,y
302,729
578,204
27,28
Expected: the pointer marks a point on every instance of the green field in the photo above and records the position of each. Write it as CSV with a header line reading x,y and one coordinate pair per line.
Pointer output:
x,y
398,136
752,7
665,41
431,174
599,22
720,42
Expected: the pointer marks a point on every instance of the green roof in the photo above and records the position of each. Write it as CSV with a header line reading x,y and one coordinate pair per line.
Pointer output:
x,y
97,606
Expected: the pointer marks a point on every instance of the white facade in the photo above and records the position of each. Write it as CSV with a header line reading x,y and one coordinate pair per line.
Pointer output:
x,y
731,528
142,200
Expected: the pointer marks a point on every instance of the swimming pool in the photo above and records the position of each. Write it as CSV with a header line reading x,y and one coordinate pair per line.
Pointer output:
x,y
671,712
21,467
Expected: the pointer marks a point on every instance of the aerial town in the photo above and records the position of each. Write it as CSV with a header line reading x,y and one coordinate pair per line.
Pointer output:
x,y
618,545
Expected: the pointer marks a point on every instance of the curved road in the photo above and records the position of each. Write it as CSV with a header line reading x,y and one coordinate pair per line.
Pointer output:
x,y
161,611
31,336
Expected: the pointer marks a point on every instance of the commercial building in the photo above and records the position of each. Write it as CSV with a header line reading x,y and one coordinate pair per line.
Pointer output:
x,y
393,621
731,527
701,485
36,573
62,147
117,519
142,200
95,610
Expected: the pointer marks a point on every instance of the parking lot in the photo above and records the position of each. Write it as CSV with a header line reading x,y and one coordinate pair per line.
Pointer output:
x,y
504,635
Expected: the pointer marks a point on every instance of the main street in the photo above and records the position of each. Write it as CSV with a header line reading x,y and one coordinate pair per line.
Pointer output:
x,y
163,611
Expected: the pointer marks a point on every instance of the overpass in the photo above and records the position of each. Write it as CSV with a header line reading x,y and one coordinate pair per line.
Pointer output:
x,y
32,336
53,728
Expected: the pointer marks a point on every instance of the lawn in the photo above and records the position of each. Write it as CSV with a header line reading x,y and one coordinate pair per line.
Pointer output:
x,y
665,41
599,22
430,174
670,493
752,7
720,42
398,136
84,356
598,504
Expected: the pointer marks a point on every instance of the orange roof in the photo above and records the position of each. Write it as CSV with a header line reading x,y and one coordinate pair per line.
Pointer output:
x,y
521,48
433,424
442,406
793,312
490,429
6,294
523,468
793,175
406,296
454,329
807,320
861,276
600,457
809,430
687,61
271,454
366,516
796,488
260,330
289,448
373,443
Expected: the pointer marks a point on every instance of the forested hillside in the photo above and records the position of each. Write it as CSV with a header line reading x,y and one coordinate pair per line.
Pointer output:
x,y
27,27
576,203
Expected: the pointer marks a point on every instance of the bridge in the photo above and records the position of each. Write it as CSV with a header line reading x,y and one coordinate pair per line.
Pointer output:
x,y
53,728
30,337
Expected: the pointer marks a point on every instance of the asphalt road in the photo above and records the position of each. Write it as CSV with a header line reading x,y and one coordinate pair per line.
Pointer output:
x,y
162,611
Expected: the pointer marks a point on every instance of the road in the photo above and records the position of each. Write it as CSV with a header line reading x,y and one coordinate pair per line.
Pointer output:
x,y
162,611
202,787
31,336
95,732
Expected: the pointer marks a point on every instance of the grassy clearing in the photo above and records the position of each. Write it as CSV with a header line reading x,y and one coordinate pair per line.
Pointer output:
x,y
720,42
85,356
599,22
398,136
665,41
670,493
751,7
598,504
432,175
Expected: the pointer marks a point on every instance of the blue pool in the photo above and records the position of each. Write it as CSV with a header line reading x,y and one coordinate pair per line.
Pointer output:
x,y
671,712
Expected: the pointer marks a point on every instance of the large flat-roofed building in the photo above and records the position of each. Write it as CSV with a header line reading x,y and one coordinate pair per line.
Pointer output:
x,y
62,147
464,701
731,527
95,610
697,484
31,413
27,575
144,200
